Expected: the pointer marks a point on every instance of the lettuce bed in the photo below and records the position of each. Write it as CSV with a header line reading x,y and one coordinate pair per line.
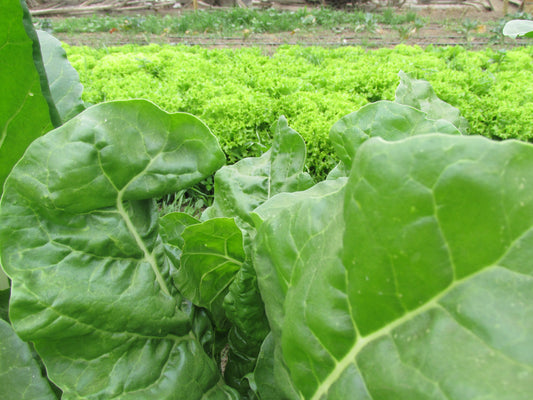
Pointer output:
x,y
407,274
239,92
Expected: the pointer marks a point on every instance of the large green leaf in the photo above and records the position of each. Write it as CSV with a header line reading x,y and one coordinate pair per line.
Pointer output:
x,y
270,378
63,79
212,254
419,94
385,119
24,111
91,283
172,227
518,27
300,228
20,375
245,185
423,289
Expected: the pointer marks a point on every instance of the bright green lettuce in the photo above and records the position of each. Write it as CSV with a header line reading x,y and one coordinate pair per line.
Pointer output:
x,y
91,282
407,276
416,283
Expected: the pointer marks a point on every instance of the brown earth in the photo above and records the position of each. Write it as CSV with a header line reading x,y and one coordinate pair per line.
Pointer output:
x,y
447,26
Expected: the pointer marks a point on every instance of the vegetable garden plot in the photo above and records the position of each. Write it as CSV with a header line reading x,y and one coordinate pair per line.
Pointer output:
x,y
312,87
405,274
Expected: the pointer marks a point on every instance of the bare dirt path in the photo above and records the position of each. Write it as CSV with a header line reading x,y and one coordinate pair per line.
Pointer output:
x,y
450,25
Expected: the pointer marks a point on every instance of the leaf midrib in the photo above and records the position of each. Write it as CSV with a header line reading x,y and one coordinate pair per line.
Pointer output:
x,y
362,341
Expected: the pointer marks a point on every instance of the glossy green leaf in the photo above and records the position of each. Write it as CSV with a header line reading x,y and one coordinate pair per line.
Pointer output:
x,y
419,94
172,227
270,378
79,237
24,111
63,79
385,119
299,224
518,27
20,375
243,186
426,292
244,308
212,254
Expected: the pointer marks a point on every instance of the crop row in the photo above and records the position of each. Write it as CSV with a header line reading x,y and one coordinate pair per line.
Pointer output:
x,y
239,93
406,274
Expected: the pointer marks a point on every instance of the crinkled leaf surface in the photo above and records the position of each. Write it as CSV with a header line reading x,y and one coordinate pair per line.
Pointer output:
x,y
20,375
518,27
63,79
243,186
419,94
24,112
429,293
91,284
385,119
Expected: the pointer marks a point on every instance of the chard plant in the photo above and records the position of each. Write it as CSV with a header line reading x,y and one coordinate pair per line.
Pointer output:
x,y
406,274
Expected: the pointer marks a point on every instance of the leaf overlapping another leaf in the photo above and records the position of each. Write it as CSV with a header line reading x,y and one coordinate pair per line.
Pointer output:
x,y
409,304
24,109
20,375
65,86
79,238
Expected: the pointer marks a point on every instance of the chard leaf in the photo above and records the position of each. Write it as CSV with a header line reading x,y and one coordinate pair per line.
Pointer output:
x,y
419,94
172,227
24,111
385,119
63,79
20,375
212,254
239,189
518,27
243,186
245,309
91,283
426,292
270,378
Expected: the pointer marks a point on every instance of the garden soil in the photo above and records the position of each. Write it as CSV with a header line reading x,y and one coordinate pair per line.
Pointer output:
x,y
448,25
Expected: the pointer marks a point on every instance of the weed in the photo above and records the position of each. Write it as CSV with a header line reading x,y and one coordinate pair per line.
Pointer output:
x,y
467,27
369,24
192,201
229,22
